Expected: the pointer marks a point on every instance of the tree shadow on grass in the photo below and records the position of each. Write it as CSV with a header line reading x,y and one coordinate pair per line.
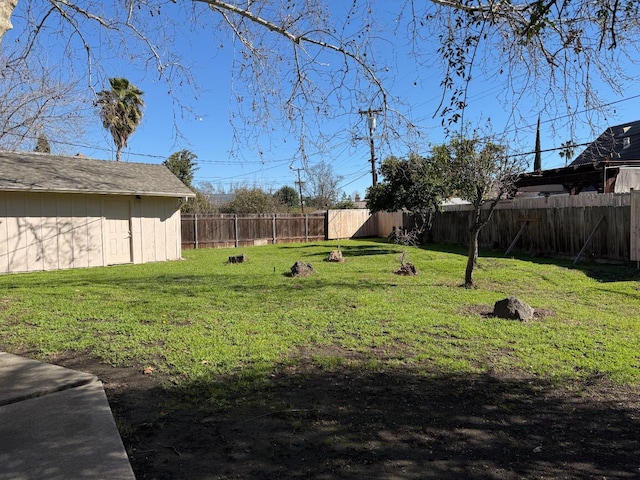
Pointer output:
x,y
357,250
599,271
351,420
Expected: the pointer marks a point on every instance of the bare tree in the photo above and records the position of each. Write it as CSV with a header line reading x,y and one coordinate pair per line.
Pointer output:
x,y
321,187
34,103
305,64
482,173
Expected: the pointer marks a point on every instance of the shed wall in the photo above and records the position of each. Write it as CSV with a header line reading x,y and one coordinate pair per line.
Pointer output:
x,y
49,231
156,229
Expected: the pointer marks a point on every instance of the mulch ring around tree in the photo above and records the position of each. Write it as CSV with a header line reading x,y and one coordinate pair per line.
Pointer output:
x,y
407,269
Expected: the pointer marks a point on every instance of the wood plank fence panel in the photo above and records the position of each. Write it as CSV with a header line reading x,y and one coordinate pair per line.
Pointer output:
x,y
556,226
254,229
317,227
350,223
219,231
289,228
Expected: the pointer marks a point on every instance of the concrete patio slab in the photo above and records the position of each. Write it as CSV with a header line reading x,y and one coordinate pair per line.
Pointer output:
x,y
56,423
22,378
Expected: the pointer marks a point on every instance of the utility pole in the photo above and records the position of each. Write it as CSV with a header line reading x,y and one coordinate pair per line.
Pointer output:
x,y
371,123
299,183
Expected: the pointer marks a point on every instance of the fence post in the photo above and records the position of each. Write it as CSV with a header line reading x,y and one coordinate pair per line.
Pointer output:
x,y
235,228
195,229
326,225
274,228
306,228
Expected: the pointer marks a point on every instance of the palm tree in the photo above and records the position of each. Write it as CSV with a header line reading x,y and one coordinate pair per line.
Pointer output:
x,y
120,110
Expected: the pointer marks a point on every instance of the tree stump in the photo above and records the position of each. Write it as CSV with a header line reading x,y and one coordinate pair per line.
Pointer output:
x,y
335,256
238,258
407,269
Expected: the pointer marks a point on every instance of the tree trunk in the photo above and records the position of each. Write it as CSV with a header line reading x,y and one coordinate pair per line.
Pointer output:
x,y
471,260
118,154
6,9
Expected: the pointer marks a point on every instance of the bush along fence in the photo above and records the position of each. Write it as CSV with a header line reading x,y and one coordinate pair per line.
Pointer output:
x,y
219,231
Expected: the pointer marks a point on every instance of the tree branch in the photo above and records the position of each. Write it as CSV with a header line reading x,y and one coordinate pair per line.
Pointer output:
x,y
222,7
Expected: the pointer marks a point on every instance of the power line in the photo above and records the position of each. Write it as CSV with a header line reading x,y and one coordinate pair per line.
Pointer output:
x,y
586,110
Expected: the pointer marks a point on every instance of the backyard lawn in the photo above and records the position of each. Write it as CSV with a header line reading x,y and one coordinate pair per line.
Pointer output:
x,y
219,371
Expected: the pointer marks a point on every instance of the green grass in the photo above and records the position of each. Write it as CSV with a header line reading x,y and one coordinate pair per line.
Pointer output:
x,y
200,317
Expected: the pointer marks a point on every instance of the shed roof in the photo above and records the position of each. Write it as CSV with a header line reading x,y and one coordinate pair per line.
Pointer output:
x,y
30,171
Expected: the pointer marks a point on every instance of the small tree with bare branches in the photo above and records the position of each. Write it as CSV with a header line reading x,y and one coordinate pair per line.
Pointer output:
x,y
483,173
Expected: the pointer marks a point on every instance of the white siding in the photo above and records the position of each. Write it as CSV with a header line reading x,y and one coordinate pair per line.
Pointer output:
x,y
33,233
65,251
17,238
47,231
158,227
50,237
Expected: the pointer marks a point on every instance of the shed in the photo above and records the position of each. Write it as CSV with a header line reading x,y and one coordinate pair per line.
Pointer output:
x,y
59,212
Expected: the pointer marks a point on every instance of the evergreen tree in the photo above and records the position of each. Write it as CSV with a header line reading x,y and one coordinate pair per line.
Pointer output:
x,y
42,144
182,164
537,162
288,196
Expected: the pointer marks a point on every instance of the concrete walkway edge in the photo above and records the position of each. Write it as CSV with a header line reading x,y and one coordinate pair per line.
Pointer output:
x,y
56,423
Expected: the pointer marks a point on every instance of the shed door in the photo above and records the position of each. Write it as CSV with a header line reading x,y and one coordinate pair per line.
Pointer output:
x,y
118,231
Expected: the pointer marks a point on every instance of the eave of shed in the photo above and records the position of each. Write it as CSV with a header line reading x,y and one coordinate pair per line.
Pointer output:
x,y
37,172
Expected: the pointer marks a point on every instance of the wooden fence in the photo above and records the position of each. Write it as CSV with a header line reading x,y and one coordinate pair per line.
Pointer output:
x,y
359,223
218,231
580,226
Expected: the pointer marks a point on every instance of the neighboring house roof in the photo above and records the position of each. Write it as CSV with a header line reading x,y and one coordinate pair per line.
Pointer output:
x,y
40,172
597,167
620,144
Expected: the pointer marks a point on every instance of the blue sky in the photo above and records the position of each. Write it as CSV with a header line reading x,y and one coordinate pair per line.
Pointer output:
x,y
207,132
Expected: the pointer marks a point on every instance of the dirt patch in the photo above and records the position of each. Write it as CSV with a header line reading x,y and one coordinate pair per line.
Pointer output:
x,y
407,269
309,421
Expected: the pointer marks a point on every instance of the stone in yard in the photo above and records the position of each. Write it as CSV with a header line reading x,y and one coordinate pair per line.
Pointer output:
x,y
512,308
301,269
335,256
